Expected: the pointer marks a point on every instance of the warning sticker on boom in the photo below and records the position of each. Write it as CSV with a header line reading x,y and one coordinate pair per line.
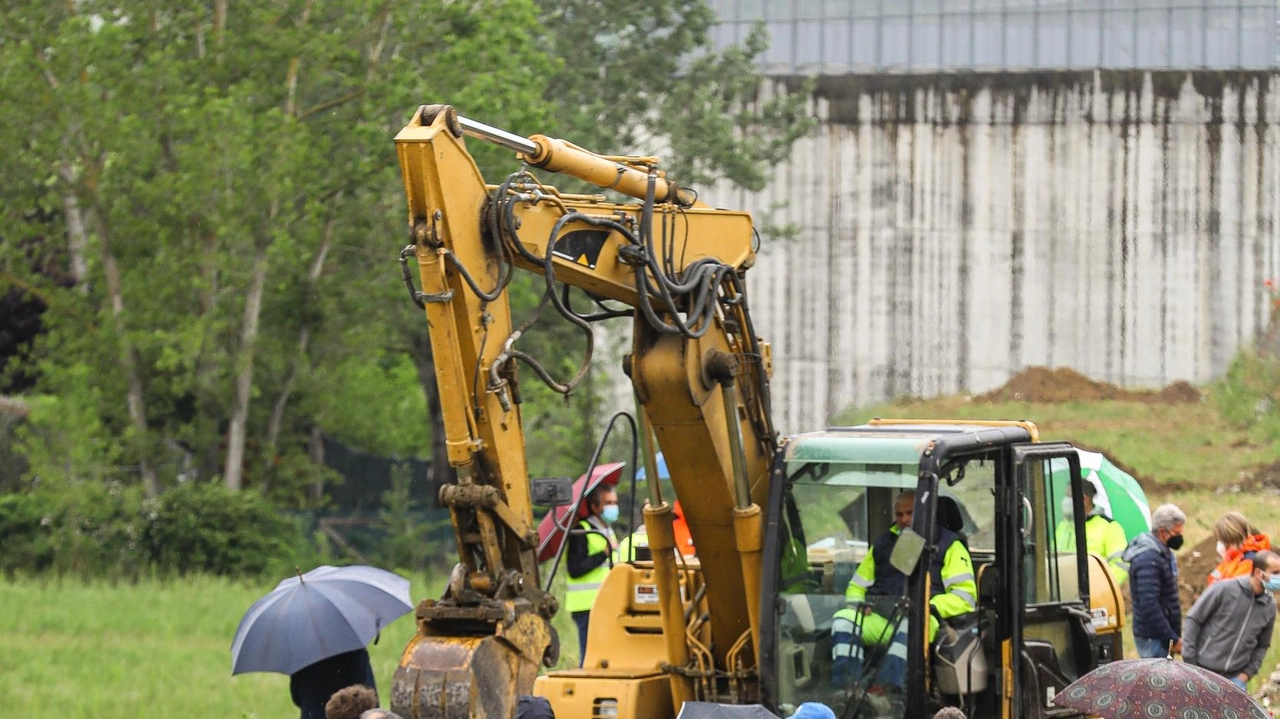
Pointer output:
x,y
581,246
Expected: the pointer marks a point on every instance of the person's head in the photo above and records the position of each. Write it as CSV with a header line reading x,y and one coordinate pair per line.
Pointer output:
x,y
813,710
949,713
1166,523
1231,531
603,503
904,507
379,713
1265,576
1088,490
351,702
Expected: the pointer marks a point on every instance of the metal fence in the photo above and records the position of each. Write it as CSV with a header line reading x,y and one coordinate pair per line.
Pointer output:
x,y
848,36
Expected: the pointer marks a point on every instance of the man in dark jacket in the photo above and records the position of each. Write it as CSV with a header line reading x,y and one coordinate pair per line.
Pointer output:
x,y
313,685
1228,630
1153,582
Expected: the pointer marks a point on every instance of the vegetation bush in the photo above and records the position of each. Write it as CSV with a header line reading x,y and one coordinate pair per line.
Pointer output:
x,y
28,539
1248,395
109,530
206,528
91,529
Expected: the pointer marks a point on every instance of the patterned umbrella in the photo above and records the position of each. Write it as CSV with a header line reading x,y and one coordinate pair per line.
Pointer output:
x,y
1158,689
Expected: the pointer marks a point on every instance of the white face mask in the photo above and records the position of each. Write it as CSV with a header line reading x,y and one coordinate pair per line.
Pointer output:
x,y
1068,509
1222,550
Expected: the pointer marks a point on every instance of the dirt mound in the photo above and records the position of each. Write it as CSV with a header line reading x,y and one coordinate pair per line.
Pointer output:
x,y
1180,391
1042,384
1266,478
1195,564
1193,570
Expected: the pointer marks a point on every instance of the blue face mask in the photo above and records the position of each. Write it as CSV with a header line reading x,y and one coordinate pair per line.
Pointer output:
x,y
1272,583
609,513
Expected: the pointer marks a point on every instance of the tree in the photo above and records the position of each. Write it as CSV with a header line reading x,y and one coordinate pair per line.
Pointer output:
x,y
645,78
216,157
212,190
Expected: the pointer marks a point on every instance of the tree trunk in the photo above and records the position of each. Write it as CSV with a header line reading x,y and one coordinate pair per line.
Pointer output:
x,y
128,359
304,339
441,472
315,450
233,471
77,237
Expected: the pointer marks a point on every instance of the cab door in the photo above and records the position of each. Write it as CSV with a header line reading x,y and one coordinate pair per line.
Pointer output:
x,y
1052,633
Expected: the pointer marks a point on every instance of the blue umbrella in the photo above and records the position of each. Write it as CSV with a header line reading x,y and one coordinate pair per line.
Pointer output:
x,y
662,469
317,615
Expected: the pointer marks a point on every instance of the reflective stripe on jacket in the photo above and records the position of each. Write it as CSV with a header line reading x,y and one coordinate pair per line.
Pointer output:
x,y
953,589
582,590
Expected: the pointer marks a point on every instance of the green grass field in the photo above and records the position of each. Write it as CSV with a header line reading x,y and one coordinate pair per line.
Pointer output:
x,y
1182,453
101,651
98,651
81,650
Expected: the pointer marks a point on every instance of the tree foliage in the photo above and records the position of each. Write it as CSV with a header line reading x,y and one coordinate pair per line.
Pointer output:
x,y
640,75
203,195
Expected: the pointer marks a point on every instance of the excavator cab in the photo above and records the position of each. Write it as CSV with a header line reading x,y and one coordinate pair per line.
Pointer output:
x,y
1041,617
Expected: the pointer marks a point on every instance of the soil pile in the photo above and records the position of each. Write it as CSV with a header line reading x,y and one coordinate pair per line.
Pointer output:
x,y
1195,564
1180,391
1267,479
1193,570
1041,384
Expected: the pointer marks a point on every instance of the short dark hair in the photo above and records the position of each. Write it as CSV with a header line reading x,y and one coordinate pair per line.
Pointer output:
x,y
593,497
1089,488
351,702
1262,558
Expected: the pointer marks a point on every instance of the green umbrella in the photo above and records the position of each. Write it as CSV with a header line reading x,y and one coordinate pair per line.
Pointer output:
x,y
1119,494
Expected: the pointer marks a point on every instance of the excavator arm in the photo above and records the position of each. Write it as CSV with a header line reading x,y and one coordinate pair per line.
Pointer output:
x,y
699,372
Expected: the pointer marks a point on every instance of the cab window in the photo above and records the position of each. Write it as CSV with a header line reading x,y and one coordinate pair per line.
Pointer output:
x,y
1050,538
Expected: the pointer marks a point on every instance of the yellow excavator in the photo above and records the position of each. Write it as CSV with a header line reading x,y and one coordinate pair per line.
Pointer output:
x,y
779,524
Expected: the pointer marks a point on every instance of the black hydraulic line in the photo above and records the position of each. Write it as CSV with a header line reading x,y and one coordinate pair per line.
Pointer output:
x,y
546,377
573,508
504,274
607,314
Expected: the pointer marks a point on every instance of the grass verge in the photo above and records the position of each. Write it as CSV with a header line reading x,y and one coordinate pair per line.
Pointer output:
x,y
96,650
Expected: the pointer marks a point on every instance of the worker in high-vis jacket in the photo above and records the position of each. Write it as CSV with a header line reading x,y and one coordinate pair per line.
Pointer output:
x,y
862,624
1103,535
589,562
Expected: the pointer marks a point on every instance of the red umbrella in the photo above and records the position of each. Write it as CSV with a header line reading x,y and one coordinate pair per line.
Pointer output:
x,y
1157,689
551,530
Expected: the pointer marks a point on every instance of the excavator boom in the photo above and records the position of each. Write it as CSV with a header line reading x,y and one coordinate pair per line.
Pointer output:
x,y
699,372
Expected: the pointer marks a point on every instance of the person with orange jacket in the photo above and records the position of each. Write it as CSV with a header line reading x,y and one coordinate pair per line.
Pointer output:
x,y
636,545
1238,541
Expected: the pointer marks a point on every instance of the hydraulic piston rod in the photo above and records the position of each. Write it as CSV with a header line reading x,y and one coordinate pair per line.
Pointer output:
x,y
560,156
497,136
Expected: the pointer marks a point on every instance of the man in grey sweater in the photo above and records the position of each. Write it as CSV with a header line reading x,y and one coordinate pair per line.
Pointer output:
x,y
1228,630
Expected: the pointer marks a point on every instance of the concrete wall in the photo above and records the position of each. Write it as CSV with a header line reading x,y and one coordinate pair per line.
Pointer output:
x,y
955,229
